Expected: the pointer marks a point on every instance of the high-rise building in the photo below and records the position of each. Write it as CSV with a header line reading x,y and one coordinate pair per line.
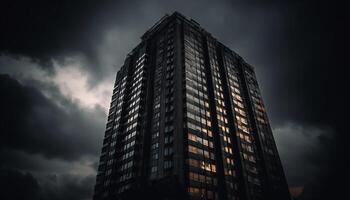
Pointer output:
x,y
187,121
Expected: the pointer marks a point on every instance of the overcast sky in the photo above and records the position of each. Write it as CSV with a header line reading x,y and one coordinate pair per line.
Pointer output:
x,y
58,61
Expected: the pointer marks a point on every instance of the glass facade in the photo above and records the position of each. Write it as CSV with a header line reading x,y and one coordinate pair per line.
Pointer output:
x,y
163,106
116,170
200,157
244,131
224,132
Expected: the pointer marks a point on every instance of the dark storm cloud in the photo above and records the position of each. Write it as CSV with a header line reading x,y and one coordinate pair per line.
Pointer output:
x,y
67,186
296,47
46,30
41,29
16,185
47,150
311,50
33,123
305,151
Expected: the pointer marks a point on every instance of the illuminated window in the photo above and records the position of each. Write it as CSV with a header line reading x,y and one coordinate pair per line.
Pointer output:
x,y
194,191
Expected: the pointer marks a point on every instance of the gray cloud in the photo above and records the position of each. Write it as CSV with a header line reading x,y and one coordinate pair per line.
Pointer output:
x,y
303,150
291,44
33,123
67,186
18,185
53,143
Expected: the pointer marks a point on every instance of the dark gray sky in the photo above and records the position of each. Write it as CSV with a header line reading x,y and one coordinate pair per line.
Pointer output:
x,y
58,60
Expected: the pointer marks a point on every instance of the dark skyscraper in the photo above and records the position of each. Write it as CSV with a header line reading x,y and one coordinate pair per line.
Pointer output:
x,y
187,121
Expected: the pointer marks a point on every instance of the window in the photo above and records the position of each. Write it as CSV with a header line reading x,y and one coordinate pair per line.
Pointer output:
x,y
168,139
156,106
200,151
155,145
155,135
201,164
168,128
194,191
228,150
198,139
168,164
154,169
168,151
